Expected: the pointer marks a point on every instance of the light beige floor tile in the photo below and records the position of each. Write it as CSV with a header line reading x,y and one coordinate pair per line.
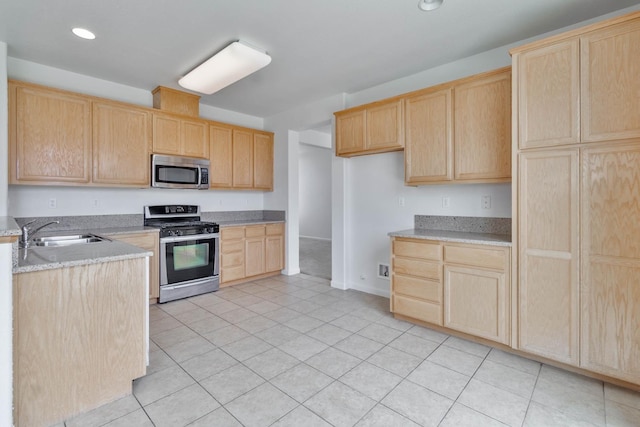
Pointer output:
x,y
467,346
325,299
571,381
208,324
396,361
350,323
268,293
263,307
159,360
369,313
382,334
462,416
207,364
206,300
304,293
329,334
153,387
271,363
381,416
284,299
543,416
303,323
506,378
370,380
192,316
340,405
105,413
237,315
414,345
394,323
137,418
428,334
176,307
156,314
622,395
326,314
223,307
299,417
190,348
459,361
173,336
358,346
301,382
231,293
282,315
494,402
247,300
333,362
278,335
513,361
246,348
163,325
182,407
255,324
620,415
439,379
226,335
153,346
418,404
218,418
231,383
303,347
262,406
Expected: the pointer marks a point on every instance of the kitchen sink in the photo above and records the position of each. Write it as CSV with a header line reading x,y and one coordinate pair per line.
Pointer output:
x,y
67,240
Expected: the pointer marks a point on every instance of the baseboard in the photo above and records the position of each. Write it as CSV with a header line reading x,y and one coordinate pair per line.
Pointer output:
x,y
370,289
315,238
338,285
290,272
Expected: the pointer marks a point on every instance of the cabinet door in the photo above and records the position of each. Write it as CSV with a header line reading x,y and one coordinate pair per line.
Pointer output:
x,y
242,158
477,302
166,134
611,261
548,88
121,141
254,256
148,241
548,254
221,153
385,127
428,146
610,66
350,133
231,254
263,161
275,253
483,128
195,139
50,136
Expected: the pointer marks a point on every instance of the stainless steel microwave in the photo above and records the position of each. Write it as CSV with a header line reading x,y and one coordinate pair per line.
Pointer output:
x,y
179,172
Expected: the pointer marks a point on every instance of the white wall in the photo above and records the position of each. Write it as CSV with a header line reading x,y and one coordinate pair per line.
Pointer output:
x,y
315,191
34,201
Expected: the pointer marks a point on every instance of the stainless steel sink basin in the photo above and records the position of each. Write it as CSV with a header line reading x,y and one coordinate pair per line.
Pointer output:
x,y
67,240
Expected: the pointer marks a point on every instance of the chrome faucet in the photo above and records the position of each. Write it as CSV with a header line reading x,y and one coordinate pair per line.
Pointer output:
x,y
28,233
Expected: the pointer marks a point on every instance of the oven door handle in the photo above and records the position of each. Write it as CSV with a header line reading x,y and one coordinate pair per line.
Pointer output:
x,y
191,237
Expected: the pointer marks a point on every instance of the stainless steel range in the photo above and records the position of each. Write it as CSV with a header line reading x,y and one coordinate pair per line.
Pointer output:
x,y
189,251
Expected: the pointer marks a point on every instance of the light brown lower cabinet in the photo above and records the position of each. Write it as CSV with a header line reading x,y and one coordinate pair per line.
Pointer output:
x,y
79,338
148,241
460,287
250,252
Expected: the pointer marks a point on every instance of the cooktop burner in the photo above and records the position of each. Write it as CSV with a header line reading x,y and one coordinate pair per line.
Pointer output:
x,y
178,220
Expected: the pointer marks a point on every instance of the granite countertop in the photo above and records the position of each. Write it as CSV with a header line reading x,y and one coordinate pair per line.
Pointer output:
x,y
240,223
455,236
9,227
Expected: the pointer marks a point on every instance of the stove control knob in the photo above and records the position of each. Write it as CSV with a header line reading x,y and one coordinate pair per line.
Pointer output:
x,y
210,230
178,233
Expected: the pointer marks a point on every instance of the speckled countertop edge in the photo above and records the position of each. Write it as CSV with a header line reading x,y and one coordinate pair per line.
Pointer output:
x,y
240,223
455,236
9,226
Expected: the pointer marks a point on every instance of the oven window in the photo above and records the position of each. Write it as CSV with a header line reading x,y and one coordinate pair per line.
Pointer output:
x,y
176,174
191,256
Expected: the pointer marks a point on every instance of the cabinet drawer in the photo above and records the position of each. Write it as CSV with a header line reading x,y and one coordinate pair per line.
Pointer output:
x,y
232,273
417,249
478,257
230,247
414,267
275,229
417,309
232,259
419,288
254,231
232,233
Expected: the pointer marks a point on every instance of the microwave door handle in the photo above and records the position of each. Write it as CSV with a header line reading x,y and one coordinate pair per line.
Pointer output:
x,y
199,176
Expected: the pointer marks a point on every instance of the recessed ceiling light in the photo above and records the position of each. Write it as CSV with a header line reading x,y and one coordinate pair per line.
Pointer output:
x,y
83,33
429,4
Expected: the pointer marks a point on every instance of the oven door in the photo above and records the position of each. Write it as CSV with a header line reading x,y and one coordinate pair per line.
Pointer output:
x,y
189,258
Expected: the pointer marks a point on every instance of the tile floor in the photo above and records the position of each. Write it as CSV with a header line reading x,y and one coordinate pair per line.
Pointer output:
x,y
292,351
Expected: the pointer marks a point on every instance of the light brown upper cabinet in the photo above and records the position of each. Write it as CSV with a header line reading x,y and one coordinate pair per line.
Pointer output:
x,y
373,128
49,136
429,145
242,158
460,131
262,161
221,151
181,136
121,144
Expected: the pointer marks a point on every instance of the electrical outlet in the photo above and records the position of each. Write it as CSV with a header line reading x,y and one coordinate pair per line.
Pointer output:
x,y
401,201
486,202
53,203
446,202
383,271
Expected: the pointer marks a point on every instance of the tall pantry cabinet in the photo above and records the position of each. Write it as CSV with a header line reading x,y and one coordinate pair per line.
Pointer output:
x,y
577,197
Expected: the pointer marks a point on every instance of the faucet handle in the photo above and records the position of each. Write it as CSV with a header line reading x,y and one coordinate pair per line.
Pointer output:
x,y
29,223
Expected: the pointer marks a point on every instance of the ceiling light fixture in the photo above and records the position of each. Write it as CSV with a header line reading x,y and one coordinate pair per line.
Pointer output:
x,y
429,4
83,33
226,67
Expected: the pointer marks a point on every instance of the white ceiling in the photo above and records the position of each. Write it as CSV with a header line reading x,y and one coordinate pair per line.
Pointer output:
x,y
319,48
